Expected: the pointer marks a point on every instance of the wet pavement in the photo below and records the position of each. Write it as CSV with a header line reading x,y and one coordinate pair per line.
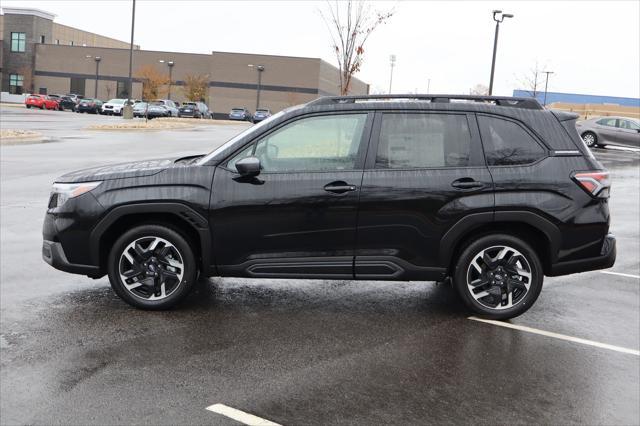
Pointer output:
x,y
293,351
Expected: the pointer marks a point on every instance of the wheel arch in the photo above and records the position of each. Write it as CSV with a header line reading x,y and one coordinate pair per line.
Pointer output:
x,y
177,216
539,232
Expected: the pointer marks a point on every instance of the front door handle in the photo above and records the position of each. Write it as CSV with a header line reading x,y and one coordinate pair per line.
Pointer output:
x,y
339,187
467,183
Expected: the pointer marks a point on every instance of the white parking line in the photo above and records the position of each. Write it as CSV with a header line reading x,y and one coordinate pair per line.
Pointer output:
x,y
559,336
621,274
240,416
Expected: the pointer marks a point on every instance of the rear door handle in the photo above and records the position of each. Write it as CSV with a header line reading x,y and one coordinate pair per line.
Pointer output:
x,y
339,187
467,183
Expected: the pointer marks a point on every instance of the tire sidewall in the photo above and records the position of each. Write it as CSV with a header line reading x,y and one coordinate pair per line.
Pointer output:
x,y
595,139
472,249
175,238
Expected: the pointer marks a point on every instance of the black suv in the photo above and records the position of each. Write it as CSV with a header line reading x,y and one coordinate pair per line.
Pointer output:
x,y
489,193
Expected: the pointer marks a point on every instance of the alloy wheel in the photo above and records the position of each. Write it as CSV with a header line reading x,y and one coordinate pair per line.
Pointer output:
x,y
151,268
499,277
589,139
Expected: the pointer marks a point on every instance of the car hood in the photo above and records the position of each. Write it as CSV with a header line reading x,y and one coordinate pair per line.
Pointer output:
x,y
123,170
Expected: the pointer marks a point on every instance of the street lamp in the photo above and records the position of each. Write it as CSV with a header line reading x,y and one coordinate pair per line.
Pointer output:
x,y
97,59
392,60
170,64
260,69
546,83
498,16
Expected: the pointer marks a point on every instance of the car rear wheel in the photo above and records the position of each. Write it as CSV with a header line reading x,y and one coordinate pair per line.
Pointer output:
x,y
498,276
590,139
152,267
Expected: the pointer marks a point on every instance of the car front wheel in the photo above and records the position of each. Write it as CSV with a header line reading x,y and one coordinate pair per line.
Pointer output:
x,y
152,267
498,276
590,139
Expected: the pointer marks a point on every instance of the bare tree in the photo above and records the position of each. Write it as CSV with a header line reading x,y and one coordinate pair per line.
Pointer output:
x,y
152,81
350,23
532,82
479,90
195,87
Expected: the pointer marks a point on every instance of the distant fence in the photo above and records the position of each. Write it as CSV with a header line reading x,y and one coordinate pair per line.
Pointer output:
x,y
588,111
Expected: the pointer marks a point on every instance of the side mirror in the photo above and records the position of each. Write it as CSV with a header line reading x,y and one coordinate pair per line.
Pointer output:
x,y
248,166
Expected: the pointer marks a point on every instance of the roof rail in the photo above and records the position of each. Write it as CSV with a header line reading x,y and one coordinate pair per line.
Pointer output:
x,y
505,101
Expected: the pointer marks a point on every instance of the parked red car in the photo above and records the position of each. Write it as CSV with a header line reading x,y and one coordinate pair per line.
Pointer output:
x,y
41,101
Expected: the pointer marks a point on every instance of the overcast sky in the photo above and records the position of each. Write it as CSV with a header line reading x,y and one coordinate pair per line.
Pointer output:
x,y
593,47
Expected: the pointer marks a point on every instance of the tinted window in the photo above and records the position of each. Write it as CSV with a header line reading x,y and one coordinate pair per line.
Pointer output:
x,y
423,140
627,124
507,143
312,144
607,122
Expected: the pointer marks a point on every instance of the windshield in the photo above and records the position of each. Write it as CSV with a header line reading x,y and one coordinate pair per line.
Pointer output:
x,y
117,101
247,132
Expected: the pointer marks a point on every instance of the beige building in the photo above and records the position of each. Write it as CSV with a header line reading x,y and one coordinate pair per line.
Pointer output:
x,y
41,56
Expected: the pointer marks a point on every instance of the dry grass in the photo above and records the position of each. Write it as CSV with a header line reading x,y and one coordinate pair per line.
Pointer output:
x,y
160,124
156,124
12,136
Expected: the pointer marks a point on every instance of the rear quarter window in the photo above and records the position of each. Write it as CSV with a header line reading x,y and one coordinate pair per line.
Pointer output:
x,y
423,140
506,143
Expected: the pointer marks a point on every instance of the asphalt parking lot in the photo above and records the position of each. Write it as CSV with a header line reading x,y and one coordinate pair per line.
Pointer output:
x,y
291,351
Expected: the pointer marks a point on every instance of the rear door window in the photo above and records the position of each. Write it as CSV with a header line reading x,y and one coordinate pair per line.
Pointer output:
x,y
423,140
506,143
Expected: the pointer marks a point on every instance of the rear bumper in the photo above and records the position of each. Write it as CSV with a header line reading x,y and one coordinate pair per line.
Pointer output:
x,y
54,255
606,260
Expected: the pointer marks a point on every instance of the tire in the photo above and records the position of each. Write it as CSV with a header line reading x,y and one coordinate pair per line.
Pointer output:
x,y
590,139
172,260
28,106
509,291
42,106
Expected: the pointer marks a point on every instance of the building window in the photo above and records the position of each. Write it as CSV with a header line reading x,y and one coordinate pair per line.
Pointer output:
x,y
42,91
41,39
57,41
77,86
71,43
16,81
18,42
121,90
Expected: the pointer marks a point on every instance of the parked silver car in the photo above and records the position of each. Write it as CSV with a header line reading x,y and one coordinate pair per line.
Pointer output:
x,y
169,104
601,131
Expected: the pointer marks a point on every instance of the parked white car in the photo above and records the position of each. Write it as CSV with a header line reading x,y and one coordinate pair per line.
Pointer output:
x,y
113,107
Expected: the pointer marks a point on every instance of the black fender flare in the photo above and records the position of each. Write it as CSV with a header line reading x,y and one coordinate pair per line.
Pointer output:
x,y
182,211
475,220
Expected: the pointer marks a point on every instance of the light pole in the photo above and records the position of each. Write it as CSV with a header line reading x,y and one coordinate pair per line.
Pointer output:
x,y
170,64
546,83
428,85
260,69
392,60
498,16
127,111
97,59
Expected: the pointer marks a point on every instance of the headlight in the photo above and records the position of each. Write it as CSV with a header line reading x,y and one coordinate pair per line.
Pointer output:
x,y
61,192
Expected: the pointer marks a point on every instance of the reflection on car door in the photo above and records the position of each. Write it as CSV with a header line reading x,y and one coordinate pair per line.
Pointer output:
x,y
628,133
424,172
297,218
607,129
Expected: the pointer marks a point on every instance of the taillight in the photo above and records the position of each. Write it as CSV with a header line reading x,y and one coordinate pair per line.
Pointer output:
x,y
595,183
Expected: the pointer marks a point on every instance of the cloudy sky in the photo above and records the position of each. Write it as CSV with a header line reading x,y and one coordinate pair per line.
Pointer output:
x,y
592,46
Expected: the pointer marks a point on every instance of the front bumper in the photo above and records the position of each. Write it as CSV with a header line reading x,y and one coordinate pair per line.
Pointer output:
x,y
54,255
606,260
